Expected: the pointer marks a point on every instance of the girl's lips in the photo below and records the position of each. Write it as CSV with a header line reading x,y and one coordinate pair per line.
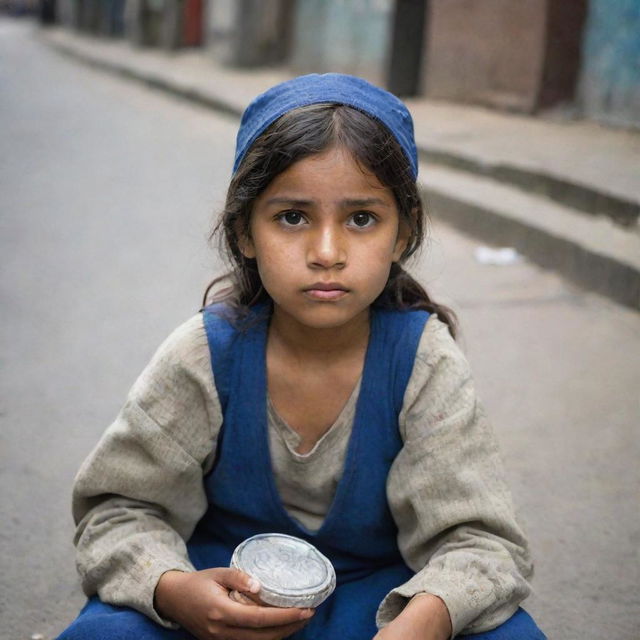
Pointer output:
x,y
326,291
326,294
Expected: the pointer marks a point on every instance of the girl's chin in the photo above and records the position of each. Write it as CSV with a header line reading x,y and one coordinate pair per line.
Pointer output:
x,y
320,315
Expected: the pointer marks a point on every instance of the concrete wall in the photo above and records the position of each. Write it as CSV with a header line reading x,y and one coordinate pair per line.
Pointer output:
x,y
220,27
487,51
68,13
104,17
503,53
407,42
348,36
563,38
610,81
248,33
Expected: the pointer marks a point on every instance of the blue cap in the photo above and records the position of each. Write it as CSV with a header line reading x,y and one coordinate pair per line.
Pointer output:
x,y
332,88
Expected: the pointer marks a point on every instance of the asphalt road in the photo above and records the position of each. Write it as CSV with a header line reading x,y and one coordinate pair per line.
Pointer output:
x,y
107,193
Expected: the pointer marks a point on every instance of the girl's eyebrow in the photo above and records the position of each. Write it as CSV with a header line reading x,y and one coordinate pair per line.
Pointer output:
x,y
364,202
346,203
292,202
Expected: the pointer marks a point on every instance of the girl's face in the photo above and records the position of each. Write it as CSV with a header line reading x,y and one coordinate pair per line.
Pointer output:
x,y
324,234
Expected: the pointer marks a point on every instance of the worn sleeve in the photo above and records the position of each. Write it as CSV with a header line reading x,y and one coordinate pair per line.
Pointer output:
x,y
140,493
448,495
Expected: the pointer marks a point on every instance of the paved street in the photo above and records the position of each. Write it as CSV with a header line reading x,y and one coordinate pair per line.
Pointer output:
x,y
107,192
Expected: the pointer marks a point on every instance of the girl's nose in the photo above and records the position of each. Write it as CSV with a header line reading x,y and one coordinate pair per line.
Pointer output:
x,y
327,249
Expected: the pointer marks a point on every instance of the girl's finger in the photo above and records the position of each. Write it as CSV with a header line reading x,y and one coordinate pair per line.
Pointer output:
x,y
258,617
242,598
233,579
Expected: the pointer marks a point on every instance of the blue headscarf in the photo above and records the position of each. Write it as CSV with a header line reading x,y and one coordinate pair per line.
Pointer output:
x,y
330,88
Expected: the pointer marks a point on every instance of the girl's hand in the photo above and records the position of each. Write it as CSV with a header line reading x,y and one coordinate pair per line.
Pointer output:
x,y
200,603
426,617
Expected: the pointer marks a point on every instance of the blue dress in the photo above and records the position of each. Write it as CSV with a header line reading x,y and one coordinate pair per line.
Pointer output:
x,y
358,533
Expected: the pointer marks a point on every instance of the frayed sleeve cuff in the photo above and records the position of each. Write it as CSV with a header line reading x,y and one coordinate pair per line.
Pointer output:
x,y
465,602
140,583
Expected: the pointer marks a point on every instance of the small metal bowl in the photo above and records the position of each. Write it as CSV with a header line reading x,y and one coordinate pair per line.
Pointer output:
x,y
291,572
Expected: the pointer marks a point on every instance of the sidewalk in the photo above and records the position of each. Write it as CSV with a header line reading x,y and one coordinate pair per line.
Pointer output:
x,y
565,194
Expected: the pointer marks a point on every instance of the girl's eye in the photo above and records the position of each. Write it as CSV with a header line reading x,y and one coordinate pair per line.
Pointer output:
x,y
291,218
362,219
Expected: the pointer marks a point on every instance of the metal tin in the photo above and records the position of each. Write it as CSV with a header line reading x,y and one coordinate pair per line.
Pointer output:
x,y
291,572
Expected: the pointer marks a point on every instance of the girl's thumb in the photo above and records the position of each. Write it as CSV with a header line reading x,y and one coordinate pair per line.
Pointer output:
x,y
235,579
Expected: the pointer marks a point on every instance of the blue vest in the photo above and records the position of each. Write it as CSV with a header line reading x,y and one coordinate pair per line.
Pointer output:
x,y
358,533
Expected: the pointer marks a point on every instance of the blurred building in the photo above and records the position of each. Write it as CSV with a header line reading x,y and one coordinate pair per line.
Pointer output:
x,y
520,56
609,87
19,7
526,55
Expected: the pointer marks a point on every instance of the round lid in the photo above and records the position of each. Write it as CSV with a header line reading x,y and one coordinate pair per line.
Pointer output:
x,y
291,572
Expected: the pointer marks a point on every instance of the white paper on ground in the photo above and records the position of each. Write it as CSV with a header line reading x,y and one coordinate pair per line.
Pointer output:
x,y
501,256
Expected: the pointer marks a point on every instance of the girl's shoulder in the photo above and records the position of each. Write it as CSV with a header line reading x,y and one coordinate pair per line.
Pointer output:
x,y
436,338
440,370
436,332
186,344
191,348
179,362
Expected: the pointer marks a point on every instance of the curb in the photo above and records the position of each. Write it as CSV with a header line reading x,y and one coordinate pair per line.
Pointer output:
x,y
571,194
153,82
593,271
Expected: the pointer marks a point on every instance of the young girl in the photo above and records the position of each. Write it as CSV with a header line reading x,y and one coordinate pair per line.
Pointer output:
x,y
319,393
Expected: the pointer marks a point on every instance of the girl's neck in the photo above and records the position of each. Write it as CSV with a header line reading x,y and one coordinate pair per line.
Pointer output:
x,y
308,343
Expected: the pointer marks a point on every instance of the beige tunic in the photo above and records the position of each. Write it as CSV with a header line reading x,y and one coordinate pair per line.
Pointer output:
x,y
140,493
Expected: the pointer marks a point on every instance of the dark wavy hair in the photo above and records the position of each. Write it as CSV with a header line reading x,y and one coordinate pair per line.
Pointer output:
x,y
300,133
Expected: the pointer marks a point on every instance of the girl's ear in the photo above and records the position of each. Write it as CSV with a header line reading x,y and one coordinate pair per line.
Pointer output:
x,y
245,243
402,240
